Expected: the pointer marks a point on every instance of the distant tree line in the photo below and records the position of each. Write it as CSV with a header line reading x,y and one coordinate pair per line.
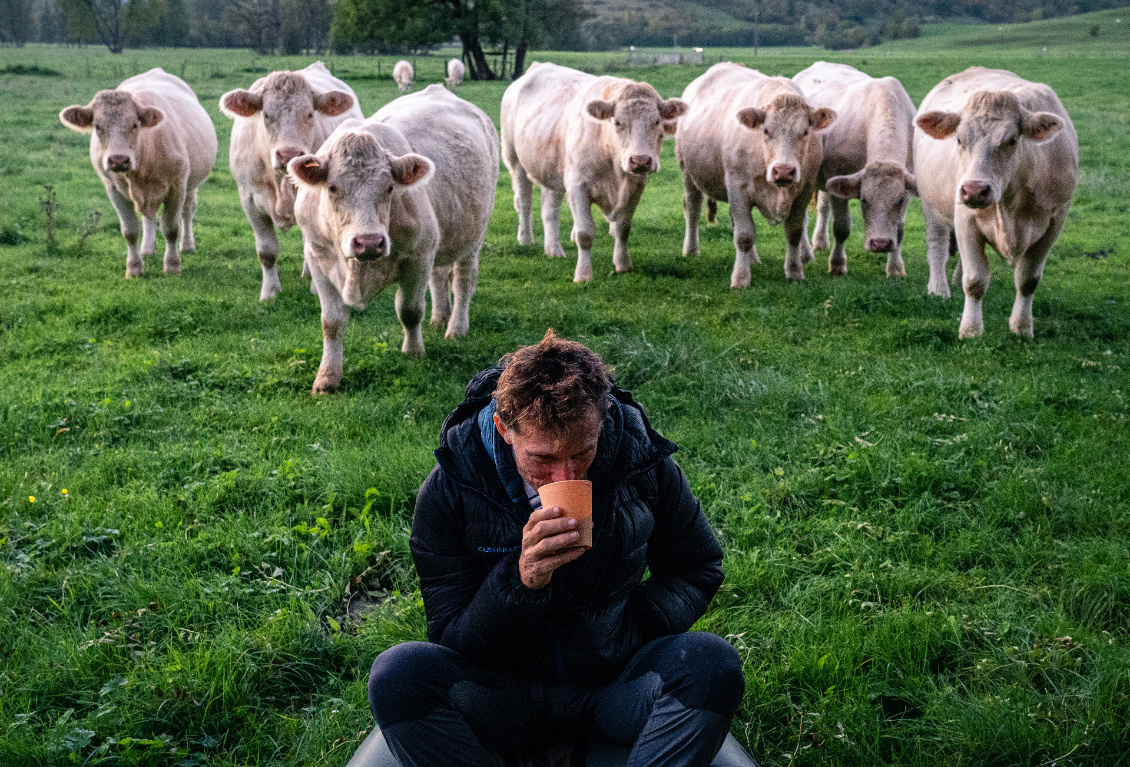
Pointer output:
x,y
496,34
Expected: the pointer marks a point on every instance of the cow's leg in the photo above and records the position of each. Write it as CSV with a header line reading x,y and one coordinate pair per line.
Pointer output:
x,y
551,222
796,243
127,217
523,202
1029,270
465,280
148,235
841,230
621,228
895,265
956,278
975,279
807,254
410,303
266,245
171,213
440,286
187,236
692,212
823,221
334,318
581,206
745,235
938,234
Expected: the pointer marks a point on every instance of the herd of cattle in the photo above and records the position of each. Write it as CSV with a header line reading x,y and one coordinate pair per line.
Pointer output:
x,y
405,196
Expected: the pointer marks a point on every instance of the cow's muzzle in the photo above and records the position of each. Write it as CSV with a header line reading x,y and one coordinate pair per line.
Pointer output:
x,y
975,194
118,163
640,163
880,244
285,155
783,174
369,247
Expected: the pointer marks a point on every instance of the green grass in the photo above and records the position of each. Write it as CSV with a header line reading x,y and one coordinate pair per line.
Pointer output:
x,y
926,540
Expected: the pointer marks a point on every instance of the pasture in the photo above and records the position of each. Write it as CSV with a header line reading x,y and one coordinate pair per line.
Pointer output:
x,y
927,541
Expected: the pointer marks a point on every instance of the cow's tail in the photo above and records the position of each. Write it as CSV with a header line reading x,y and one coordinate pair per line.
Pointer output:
x,y
711,211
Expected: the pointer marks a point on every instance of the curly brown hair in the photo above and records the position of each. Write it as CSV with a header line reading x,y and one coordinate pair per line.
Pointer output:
x,y
552,385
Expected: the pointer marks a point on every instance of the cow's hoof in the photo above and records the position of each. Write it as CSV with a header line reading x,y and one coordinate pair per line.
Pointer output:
x,y
896,272
1022,329
942,291
970,331
269,291
134,272
172,268
325,384
837,269
794,275
820,244
525,239
740,279
455,332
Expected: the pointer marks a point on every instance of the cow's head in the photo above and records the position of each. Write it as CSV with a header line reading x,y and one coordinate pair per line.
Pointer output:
x,y
990,131
883,190
286,104
788,126
356,181
640,119
116,119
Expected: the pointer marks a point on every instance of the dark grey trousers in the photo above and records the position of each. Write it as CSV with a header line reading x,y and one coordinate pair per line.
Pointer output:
x,y
672,705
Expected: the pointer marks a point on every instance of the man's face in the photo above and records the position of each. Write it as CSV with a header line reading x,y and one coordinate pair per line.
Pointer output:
x,y
545,456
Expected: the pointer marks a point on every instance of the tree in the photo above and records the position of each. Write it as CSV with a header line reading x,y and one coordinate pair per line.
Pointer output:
x,y
260,22
17,21
107,19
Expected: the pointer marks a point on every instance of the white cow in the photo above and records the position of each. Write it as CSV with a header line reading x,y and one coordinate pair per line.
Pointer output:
x,y
867,156
588,139
751,140
403,74
997,158
152,144
405,197
282,116
455,72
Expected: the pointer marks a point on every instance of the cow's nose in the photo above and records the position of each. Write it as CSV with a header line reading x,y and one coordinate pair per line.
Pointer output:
x,y
880,245
784,174
368,247
118,162
639,163
975,194
285,155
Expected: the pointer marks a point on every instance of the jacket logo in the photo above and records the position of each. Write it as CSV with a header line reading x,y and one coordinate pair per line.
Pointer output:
x,y
498,549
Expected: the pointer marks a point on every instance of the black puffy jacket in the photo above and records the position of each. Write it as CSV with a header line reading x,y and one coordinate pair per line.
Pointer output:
x,y
598,610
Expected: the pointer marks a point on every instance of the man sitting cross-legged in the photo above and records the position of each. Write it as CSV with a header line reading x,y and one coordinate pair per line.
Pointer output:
x,y
536,641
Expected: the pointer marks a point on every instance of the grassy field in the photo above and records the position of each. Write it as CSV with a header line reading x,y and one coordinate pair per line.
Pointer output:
x,y
927,541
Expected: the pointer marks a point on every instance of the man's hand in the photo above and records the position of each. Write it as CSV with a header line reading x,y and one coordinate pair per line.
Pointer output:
x,y
549,540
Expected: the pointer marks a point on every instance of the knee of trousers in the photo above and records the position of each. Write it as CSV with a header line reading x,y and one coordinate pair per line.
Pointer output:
x,y
703,671
403,685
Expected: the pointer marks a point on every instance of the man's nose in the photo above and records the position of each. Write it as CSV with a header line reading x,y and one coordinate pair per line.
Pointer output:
x,y
564,471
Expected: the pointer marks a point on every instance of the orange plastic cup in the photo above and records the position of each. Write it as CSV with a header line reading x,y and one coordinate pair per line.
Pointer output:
x,y
574,498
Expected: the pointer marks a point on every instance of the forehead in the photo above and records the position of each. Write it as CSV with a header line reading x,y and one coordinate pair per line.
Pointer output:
x,y
880,177
283,88
114,105
573,438
995,115
359,154
787,109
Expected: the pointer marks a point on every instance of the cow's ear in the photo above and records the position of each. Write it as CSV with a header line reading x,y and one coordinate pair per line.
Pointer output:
x,y
911,183
845,187
308,169
751,117
938,125
78,118
333,103
673,108
1041,126
601,110
411,169
241,103
821,118
150,117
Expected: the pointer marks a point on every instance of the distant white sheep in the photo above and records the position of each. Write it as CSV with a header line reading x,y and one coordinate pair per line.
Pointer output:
x,y
403,74
455,72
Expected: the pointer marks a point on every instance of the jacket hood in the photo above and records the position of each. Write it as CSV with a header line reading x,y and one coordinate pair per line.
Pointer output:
x,y
627,442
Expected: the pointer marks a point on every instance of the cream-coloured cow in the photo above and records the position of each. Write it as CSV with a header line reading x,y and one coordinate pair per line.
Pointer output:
x,y
750,140
403,197
997,158
455,72
403,74
152,144
590,140
867,156
282,116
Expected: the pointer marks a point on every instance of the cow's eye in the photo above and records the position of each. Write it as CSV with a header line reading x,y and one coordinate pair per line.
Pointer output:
x,y
310,116
390,188
333,188
960,143
616,123
136,126
805,133
1010,143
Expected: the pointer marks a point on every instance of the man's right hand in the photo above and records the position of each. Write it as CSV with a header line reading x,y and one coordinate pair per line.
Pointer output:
x,y
549,540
